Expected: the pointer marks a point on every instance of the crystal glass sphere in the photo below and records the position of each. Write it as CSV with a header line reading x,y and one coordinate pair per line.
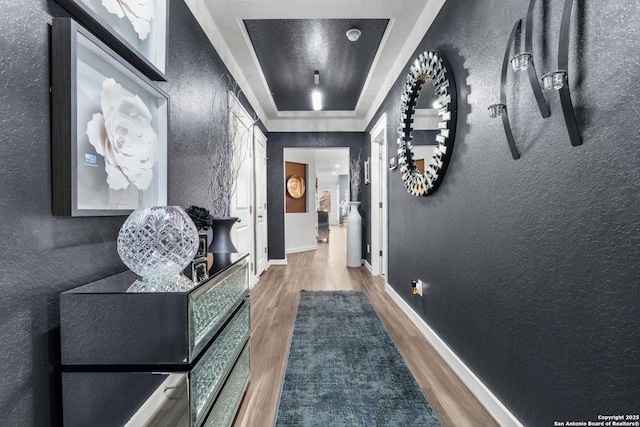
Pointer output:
x,y
157,243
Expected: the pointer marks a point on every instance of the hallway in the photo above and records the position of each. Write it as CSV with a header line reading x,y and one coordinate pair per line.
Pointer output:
x,y
273,310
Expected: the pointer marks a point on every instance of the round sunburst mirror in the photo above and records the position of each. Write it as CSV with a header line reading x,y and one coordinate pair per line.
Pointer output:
x,y
430,68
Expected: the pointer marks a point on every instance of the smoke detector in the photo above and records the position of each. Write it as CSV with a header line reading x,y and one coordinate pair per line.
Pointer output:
x,y
353,34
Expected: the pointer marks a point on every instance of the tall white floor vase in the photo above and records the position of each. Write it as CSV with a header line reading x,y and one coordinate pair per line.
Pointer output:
x,y
354,236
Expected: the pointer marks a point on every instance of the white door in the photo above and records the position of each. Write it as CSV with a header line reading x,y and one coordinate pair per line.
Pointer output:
x,y
260,162
379,209
241,129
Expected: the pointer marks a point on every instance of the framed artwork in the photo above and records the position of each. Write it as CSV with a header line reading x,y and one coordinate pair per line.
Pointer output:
x,y
109,142
136,29
203,244
367,171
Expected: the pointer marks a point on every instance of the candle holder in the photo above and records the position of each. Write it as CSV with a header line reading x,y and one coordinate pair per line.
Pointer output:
x,y
496,110
554,80
521,61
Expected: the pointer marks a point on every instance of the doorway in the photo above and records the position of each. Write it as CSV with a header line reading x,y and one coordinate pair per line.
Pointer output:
x,y
379,208
326,176
260,185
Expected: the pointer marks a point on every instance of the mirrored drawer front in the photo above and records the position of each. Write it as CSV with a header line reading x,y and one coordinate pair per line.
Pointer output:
x,y
208,375
226,407
210,307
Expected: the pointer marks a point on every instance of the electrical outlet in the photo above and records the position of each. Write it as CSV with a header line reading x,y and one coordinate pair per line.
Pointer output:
x,y
416,287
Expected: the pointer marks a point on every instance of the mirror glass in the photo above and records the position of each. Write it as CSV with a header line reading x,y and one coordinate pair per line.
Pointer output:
x,y
425,124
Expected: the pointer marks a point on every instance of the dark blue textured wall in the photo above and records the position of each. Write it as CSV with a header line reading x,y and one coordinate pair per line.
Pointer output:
x,y
278,141
533,265
42,256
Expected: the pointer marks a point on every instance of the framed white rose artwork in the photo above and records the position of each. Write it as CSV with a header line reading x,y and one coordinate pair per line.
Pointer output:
x,y
109,144
136,29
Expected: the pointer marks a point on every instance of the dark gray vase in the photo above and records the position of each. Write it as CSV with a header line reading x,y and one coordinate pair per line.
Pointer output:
x,y
221,245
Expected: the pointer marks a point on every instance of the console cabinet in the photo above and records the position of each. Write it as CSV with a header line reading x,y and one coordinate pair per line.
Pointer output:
x,y
167,359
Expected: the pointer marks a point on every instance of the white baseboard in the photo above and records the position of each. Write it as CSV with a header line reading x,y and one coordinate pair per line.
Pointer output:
x,y
368,266
278,261
497,410
302,249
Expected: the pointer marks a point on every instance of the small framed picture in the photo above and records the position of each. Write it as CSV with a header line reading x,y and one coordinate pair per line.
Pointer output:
x,y
109,142
393,163
200,271
367,172
197,271
202,246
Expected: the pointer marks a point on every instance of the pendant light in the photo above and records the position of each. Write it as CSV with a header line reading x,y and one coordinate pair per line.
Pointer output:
x,y
316,96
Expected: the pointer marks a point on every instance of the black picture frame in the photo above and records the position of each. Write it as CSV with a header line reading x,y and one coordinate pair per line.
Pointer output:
x,y
148,55
80,66
203,245
367,171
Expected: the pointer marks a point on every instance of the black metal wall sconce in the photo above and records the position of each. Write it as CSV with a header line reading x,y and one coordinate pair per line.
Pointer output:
x,y
559,80
500,110
555,80
524,61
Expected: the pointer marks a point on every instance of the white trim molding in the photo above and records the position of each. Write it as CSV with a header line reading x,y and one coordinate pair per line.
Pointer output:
x,y
368,266
278,261
168,390
491,403
228,35
379,198
302,249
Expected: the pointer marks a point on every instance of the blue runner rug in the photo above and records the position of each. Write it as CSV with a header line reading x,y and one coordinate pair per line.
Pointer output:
x,y
344,369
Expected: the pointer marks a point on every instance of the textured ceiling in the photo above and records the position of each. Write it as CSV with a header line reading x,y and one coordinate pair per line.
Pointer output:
x,y
272,47
290,50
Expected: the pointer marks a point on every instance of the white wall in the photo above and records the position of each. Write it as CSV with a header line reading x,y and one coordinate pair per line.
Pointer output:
x,y
300,228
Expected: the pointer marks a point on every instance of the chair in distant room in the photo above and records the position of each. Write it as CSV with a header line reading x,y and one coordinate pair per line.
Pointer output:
x,y
323,226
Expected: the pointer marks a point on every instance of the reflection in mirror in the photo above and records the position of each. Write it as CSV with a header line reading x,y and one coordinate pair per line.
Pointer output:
x,y
425,117
424,141
428,119
425,125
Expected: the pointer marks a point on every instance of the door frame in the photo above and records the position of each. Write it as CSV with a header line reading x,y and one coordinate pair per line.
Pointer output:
x,y
258,134
379,199
244,119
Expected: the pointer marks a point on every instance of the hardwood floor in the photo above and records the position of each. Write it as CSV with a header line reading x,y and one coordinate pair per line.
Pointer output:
x,y
273,309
